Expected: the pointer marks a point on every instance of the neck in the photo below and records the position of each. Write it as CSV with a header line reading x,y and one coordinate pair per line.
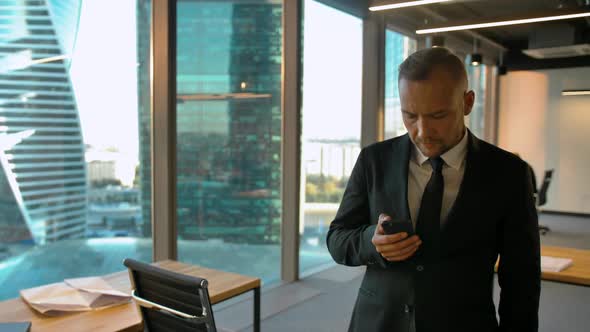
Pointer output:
x,y
459,138
455,142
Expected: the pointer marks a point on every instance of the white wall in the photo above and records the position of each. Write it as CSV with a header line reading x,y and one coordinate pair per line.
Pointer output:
x,y
550,131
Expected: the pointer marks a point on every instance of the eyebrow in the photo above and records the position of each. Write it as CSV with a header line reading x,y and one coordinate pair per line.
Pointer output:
x,y
439,112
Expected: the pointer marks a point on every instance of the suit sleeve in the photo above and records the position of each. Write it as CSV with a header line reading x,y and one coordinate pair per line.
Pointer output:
x,y
519,271
350,233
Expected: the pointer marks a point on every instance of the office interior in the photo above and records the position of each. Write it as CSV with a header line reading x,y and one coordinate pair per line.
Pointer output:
x,y
221,133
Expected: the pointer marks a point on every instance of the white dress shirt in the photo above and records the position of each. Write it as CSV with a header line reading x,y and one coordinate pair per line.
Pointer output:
x,y
419,173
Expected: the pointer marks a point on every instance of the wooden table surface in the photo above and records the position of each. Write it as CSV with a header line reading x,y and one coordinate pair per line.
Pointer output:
x,y
222,286
578,273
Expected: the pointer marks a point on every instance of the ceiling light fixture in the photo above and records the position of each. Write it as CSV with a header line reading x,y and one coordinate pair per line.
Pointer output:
x,y
436,41
502,69
575,93
405,4
476,59
503,23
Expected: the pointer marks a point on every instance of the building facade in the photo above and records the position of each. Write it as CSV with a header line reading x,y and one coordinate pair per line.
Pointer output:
x,y
42,168
228,120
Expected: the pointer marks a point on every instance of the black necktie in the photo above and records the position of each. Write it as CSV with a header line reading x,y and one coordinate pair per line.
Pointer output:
x,y
428,224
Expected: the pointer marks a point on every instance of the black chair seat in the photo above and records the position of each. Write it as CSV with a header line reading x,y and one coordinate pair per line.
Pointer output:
x,y
170,301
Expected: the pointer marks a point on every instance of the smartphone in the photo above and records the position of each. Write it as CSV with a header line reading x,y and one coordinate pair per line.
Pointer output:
x,y
398,226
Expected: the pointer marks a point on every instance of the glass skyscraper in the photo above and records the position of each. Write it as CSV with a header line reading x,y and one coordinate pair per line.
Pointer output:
x,y
42,169
228,120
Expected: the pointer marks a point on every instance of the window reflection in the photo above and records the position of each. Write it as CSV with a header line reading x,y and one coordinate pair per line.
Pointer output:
x,y
229,134
397,48
477,82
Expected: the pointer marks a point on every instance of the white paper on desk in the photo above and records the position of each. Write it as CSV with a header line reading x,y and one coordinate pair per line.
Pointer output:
x,y
73,295
554,264
95,285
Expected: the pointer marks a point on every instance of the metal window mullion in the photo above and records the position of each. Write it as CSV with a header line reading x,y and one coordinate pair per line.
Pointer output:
x,y
163,128
373,76
491,107
291,138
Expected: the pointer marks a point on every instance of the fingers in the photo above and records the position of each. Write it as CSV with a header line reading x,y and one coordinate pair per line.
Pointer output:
x,y
383,239
401,244
402,254
399,250
394,247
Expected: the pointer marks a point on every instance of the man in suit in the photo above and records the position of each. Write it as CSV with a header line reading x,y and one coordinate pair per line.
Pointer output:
x,y
469,202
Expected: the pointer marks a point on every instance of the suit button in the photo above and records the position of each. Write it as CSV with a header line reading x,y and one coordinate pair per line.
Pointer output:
x,y
420,268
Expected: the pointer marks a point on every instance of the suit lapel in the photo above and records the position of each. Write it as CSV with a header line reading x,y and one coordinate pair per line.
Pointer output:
x,y
399,180
469,186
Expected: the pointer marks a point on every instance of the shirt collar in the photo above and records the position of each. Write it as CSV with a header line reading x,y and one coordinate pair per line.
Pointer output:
x,y
454,157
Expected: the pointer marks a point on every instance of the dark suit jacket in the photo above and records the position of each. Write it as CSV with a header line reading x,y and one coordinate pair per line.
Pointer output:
x,y
494,214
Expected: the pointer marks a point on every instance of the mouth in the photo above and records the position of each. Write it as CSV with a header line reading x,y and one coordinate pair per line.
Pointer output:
x,y
429,148
429,144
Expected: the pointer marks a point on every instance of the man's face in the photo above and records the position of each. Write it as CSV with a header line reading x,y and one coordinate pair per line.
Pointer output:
x,y
433,111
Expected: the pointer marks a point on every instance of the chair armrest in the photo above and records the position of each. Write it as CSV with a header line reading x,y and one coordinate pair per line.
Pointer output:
x,y
149,304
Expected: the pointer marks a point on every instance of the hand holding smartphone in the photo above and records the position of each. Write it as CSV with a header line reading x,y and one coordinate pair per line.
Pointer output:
x,y
398,226
395,248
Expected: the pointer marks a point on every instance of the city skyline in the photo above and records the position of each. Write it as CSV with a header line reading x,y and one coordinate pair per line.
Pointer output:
x,y
94,37
118,115
229,126
92,83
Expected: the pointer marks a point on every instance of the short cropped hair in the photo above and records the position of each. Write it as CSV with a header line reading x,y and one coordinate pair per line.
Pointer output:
x,y
419,65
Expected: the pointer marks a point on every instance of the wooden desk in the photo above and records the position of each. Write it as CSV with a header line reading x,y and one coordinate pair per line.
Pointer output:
x,y
578,273
222,286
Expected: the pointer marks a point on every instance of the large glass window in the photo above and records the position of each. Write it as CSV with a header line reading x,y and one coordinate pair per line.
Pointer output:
x,y
332,77
476,120
397,48
73,91
229,57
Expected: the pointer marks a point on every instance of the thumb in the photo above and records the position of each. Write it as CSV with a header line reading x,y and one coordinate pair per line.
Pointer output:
x,y
383,217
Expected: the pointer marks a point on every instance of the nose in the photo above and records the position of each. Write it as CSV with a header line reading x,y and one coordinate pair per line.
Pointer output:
x,y
423,126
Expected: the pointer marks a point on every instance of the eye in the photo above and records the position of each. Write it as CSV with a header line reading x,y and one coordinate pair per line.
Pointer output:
x,y
409,116
438,116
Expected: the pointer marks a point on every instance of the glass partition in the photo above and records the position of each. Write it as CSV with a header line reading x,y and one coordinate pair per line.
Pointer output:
x,y
331,117
476,121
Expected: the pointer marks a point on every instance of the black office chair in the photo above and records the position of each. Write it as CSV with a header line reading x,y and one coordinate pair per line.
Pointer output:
x,y
542,197
170,301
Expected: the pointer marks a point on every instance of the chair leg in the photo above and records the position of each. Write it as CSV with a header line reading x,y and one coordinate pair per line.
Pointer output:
x,y
543,229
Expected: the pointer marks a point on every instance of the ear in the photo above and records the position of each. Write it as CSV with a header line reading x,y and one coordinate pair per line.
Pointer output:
x,y
468,101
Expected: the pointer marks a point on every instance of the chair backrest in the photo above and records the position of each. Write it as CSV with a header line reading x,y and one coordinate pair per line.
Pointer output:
x,y
542,198
170,301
